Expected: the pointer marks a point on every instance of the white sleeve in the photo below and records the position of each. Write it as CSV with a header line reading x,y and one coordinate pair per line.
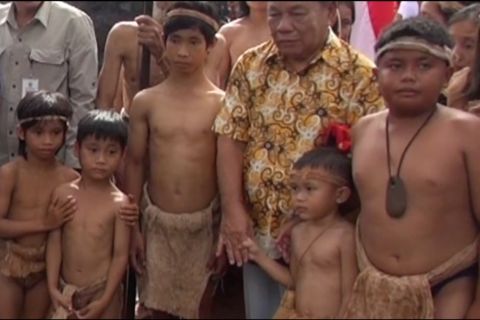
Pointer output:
x,y
408,9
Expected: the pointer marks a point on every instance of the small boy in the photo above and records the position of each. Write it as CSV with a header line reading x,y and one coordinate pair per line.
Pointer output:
x,y
26,186
323,265
416,170
173,122
87,257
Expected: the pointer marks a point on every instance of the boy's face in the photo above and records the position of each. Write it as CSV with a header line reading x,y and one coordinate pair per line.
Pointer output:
x,y
186,50
464,34
44,139
316,193
99,158
411,81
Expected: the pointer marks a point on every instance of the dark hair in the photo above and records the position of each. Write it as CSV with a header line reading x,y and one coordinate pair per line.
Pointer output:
x,y
41,104
244,9
351,6
420,27
469,13
103,124
176,23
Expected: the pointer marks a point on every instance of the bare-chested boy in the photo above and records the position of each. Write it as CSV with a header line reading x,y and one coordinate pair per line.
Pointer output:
x,y
87,257
26,186
173,122
241,35
119,77
323,265
417,174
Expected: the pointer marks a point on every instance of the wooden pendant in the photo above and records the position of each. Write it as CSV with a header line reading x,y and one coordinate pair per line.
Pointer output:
x,y
396,197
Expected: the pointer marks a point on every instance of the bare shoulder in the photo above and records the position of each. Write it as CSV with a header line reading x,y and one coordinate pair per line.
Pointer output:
x,y
124,29
68,174
66,189
460,124
8,173
229,30
143,101
366,122
344,232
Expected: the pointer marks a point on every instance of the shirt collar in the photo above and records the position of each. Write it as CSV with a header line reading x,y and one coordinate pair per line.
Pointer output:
x,y
330,54
42,15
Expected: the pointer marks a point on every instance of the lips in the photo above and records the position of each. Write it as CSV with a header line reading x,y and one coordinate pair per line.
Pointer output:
x,y
407,92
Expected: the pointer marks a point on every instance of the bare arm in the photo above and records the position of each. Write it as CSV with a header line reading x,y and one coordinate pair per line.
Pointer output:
x,y
218,66
10,229
110,73
470,131
119,262
349,269
135,169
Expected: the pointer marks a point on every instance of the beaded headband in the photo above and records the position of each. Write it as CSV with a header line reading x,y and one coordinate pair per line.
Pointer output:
x,y
415,43
43,118
194,14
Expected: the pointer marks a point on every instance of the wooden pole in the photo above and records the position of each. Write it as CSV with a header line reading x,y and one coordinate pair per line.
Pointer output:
x,y
131,283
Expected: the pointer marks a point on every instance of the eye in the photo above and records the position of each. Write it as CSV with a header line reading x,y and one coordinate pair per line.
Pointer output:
x,y
425,65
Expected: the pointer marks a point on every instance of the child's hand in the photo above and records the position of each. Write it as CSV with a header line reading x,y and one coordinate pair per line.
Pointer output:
x,y
254,251
93,311
129,212
284,238
59,300
60,212
457,87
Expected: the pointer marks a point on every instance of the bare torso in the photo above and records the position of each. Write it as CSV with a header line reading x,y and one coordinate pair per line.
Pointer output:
x,y
318,278
242,35
131,63
438,222
87,240
32,193
182,147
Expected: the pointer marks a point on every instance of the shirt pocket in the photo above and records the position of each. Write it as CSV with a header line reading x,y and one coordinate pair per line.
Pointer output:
x,y
50,67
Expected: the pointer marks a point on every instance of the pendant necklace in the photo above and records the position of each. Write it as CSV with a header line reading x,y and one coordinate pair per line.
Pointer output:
x,y
396,202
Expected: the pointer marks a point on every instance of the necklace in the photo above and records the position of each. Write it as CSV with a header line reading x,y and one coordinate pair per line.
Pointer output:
x,y
396,202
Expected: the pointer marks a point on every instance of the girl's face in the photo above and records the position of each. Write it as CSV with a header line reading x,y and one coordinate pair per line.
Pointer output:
x,y
464,35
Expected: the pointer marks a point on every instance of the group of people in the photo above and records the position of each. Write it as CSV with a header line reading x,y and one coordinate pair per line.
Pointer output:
x,y
343,187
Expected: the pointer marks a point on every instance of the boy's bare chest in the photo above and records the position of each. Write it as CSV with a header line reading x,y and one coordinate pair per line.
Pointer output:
x,y
92,218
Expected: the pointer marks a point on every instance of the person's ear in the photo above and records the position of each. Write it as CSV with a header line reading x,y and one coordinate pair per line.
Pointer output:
x,y
20,133
342,195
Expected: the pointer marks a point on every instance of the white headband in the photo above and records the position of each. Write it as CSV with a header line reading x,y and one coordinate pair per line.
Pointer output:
x,y
43,118
194,14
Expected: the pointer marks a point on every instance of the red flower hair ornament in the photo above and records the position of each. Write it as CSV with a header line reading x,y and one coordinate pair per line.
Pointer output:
x,y
336,135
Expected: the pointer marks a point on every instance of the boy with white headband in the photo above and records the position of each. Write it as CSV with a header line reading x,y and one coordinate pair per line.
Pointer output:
x,y
170,126
26,188
417,229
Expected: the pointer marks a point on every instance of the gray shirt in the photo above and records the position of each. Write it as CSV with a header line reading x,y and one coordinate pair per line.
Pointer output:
x,y
59,49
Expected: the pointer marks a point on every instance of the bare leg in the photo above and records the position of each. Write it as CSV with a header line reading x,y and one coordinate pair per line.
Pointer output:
x,y
11,298
455,298
37,301
114,310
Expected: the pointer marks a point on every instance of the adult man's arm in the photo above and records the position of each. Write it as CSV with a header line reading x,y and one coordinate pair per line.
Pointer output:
x,y
82,76
112,62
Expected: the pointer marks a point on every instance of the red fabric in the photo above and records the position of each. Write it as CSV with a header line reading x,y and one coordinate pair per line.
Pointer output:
x,y
381,14
340,133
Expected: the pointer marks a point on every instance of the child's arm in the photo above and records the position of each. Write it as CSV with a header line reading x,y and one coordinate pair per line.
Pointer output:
x,y
10,229
349,269
116,271
54,262
278,272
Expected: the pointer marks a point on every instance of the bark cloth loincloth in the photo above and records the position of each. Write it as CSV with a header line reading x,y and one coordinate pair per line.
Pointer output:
x,y
80,297
178,248
377,295
25,265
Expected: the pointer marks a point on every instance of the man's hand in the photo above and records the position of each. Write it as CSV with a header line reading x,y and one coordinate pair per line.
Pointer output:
x,y
284,238
60,212
129,212
150,34
236,226
137,252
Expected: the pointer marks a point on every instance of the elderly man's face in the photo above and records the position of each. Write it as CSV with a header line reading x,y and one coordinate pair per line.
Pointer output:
x,y
299,28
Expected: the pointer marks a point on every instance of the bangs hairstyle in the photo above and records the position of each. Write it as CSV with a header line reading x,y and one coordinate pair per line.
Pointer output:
x,y
102,125
418,27
40,104
177,23
336,163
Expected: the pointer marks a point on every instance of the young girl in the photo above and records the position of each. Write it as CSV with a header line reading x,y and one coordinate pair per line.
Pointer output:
x,y
26,185
323,264
344,20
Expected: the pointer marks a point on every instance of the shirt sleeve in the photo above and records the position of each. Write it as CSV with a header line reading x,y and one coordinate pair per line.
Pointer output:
x,y
82,77
233,119
366,98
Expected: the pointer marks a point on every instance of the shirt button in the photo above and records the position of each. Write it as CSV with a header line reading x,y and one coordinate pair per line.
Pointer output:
x,y
10,132
16,63
19,39
11,109
14,86
12,155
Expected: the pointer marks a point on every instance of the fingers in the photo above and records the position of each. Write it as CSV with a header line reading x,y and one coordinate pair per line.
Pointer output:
x,y
230,254
220,246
